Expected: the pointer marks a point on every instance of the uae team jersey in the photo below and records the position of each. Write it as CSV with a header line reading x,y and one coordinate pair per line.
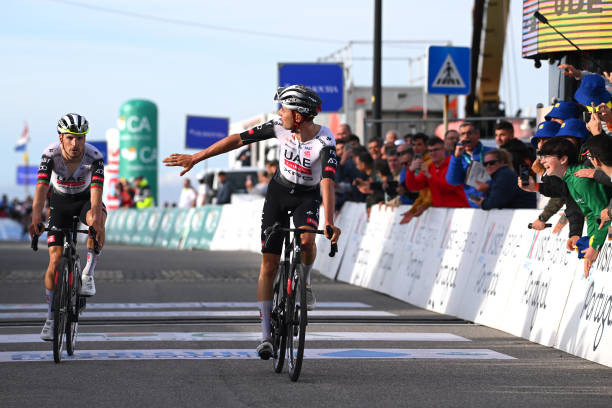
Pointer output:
x,y
53,170
303,164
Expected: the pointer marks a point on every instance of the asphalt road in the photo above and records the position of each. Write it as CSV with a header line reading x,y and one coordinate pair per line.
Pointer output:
x,y
177,328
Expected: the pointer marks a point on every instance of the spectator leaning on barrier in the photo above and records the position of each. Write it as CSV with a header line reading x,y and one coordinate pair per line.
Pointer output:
x,y
434,177
224,190
503,191
406,154
395,168
372,186
468,149
143,196
451,137
545,131
188,195
560,158
421,160
522,154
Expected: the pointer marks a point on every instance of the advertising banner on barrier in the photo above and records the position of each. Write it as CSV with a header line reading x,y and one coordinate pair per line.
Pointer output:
x,y
202,227
129,226
239,227
151,228
179,228
141,225
166,227
117,226
586,327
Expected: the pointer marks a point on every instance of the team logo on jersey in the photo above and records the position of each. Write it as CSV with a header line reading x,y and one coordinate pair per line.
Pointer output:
x,y
307,153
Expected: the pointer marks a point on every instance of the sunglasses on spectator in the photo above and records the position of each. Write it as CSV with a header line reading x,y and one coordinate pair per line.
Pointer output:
x,y
434,150
405,163
490,162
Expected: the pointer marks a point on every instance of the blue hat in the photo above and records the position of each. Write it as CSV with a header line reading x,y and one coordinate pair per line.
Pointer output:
x,y
564,110
592,89
582,245
545,130
573,128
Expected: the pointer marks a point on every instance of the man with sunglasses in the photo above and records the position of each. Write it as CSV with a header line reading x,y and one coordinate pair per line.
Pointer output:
x,y
303,180
75,169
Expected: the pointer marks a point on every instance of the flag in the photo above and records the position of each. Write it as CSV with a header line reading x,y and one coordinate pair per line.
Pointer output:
x,y
23,140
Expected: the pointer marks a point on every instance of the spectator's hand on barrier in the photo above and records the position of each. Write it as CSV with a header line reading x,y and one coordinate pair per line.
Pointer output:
x,y
183,160
531,187
571,71
559,225
571,242
586,173
537,167
418,210
336,234
605,217
538,225
363,186
594,125
478,201
590,256
482,187
406,217
605,113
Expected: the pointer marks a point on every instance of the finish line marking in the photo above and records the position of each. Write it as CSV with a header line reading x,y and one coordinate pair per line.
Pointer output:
x,y
177,305
249,354
238,336
198,313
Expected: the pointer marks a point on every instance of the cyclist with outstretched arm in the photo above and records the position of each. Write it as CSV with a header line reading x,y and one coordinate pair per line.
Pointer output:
x,y
304,178
75,170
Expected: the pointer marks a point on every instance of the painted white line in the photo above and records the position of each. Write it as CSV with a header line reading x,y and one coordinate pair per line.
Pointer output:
x,y
238,336
177,305
197,313
231,354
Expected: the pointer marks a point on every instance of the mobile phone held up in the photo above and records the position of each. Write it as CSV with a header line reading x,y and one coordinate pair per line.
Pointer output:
x,y
524,174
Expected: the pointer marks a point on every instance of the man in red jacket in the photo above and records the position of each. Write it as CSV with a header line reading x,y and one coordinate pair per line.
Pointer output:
x,y
434,177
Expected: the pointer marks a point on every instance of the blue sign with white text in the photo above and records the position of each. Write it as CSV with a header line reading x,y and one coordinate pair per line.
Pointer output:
x,y
202,132
327,80
448,70
101,146
27,175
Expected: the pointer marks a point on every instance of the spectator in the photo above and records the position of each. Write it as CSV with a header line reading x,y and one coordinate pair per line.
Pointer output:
x,y
261,187
125,193
244,157
468,150
434,177
188,195
224,190
387,148
374,148
353,141
408,138
346,173
451,137
271,167
563,110
599,150
421,158
371,185
205,192
560,158
406,154
504,191
395,170
521,154
391,137
143,196
343,133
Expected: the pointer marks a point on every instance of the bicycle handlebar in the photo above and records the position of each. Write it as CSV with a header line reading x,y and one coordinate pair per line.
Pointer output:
x,y
91,231
277,227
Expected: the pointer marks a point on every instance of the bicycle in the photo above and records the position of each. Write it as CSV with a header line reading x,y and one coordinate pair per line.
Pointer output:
x,y
67,303
290,318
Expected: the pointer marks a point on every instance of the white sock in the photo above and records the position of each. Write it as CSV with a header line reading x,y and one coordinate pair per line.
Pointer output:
x,y
306,270
92,260
49,299
265,310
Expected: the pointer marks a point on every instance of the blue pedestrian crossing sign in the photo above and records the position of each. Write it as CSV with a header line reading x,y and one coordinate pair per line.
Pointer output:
x,y
448,70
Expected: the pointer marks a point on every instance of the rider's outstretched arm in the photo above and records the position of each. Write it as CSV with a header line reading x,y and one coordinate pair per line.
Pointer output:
x,y
187,161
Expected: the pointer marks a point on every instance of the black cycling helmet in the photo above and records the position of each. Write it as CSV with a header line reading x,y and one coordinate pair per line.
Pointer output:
x,y
299,98
73,123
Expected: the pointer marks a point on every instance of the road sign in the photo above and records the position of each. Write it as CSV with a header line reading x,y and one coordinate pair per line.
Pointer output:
x,y
448,70
27,175
202,131
327,80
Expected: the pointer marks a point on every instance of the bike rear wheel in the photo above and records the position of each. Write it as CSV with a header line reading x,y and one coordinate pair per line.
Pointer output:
x,y
279,329
60,308
297,317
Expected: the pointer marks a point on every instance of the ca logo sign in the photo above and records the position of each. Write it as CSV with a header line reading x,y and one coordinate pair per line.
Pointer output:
x,y
137,124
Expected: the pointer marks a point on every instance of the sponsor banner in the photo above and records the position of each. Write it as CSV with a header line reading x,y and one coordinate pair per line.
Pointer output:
x,y
586,326
140,227
11,230
152,226
249,354
179,229
240,336
202,226
192,238
239,227
351,251
129,226
166,227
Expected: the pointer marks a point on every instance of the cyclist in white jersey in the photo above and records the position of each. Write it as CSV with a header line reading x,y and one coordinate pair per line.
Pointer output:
x,y
75,170
304,180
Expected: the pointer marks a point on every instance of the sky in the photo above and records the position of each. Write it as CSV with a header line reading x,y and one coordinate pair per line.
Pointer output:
x,y
206,58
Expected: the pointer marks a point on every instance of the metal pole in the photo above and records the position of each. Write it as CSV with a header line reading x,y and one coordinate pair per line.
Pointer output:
x,y
376,83
445,114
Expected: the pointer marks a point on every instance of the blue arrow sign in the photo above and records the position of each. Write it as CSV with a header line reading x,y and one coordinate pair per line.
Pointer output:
x,y
448,70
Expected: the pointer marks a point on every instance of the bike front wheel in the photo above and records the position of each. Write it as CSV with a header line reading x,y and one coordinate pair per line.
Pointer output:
x,y
74,308
279,329
296,328
60,308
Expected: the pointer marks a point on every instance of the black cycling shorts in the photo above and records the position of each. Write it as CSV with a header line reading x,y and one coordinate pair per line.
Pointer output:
x,y
62,208
279,202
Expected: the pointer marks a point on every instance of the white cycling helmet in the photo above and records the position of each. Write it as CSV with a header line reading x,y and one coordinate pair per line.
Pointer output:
x,y
299,98
73,123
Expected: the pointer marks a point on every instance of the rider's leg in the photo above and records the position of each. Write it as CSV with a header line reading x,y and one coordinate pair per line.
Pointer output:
x,y
309,253
265,290
55,254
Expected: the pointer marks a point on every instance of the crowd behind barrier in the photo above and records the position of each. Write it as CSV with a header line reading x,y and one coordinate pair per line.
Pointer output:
x,y
483,266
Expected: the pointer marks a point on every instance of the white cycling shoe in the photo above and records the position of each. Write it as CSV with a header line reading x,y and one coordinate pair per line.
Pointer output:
x,y
47,331
88,287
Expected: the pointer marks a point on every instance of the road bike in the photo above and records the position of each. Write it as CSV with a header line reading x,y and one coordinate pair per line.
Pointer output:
x,y
67,302
289,316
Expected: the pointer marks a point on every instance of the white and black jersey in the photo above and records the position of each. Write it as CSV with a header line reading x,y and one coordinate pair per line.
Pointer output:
x,y
300,163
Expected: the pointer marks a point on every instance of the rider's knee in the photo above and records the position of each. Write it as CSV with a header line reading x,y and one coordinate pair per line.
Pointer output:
x,y
269,265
